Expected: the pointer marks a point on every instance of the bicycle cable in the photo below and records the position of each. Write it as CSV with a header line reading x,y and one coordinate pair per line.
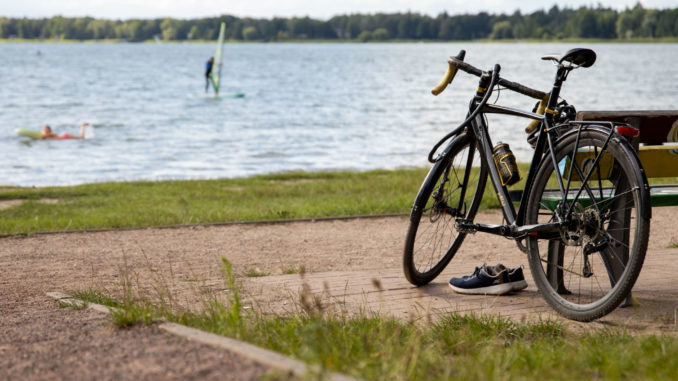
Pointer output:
x,y
498,90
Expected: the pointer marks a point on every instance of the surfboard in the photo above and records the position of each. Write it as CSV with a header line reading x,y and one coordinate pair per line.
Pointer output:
x,y
219,96
89,133
28,133
234,95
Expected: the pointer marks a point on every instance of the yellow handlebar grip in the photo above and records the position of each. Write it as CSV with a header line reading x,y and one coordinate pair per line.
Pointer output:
x,y
447,79
540,110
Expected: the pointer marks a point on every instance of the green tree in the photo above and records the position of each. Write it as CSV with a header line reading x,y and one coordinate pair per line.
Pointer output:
x,y
667,23
629,22
649,24
250,33
380,34
364,36
101,29
502,30
169,29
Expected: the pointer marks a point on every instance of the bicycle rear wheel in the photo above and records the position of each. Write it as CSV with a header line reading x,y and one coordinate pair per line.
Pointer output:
x,y
453,189
589,270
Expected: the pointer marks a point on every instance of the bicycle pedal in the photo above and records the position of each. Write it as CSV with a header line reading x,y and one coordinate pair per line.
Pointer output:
x,y
465,226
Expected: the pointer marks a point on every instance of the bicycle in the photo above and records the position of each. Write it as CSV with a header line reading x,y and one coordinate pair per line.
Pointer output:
x,y
583,217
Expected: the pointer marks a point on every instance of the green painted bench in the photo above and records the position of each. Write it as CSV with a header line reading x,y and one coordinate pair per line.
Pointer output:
x,y
657,147
659,159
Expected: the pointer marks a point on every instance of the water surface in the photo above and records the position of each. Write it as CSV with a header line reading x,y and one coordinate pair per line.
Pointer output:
x,y
307,106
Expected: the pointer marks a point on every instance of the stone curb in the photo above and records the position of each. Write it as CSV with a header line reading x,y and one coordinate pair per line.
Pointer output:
x,y
253,352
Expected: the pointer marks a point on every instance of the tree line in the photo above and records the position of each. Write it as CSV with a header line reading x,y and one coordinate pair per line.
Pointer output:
x,y
555,23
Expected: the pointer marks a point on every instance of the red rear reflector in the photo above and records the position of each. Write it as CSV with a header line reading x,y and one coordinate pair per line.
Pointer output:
x,y
627,131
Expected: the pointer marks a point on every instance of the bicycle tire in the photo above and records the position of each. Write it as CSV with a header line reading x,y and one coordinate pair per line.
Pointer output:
x,y
592,267
432,241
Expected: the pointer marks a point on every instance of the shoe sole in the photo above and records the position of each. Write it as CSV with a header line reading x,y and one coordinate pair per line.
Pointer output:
x,y
518,285
497,289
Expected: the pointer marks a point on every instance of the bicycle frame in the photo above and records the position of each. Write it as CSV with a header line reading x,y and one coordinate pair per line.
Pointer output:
x,y
545,145
514,227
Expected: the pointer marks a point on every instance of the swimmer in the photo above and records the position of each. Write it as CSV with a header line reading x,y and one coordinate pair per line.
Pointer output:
x,y
48,134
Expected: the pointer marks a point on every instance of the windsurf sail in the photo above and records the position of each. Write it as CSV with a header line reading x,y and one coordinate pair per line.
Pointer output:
x,y
216,69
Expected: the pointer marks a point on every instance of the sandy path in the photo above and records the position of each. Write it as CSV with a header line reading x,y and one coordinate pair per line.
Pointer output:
x,y
39,340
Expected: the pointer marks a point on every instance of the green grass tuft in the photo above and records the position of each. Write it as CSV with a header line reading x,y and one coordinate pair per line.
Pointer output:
x,y
133,313
95,296
256,273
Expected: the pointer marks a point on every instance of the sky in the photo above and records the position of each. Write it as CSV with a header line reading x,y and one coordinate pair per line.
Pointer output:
x,y
319,9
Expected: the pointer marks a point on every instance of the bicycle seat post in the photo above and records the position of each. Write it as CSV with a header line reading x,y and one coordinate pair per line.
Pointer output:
x,y
561,76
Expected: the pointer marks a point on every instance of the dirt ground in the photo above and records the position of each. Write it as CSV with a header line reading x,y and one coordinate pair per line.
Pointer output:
x,y
38,340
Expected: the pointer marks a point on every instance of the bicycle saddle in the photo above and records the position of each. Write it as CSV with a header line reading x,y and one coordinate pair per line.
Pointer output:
x,y
578,56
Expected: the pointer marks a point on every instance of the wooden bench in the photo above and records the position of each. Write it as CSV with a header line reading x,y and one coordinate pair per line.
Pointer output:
x,y
658,159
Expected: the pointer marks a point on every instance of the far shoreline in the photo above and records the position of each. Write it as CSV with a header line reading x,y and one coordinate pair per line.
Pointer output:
x,y
663,40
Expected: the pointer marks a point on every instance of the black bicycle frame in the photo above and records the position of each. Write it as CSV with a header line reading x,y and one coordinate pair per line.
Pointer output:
x,y
545,145
514,221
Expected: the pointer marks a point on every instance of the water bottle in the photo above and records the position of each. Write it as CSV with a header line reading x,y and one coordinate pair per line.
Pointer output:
x,y
506,164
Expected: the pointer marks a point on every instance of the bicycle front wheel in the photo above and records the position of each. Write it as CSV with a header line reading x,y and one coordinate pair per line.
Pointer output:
x,y
589,270
453,190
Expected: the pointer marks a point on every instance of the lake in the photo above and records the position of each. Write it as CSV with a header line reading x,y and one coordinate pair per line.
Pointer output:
x,y
307,107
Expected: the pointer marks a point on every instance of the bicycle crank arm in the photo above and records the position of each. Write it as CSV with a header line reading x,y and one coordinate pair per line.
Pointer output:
x,y
541,231
468,227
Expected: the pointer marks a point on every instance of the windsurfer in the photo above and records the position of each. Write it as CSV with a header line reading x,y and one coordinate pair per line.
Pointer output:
x,y
208,72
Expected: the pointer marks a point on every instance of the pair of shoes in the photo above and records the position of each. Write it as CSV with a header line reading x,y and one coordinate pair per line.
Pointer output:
x,y
490,280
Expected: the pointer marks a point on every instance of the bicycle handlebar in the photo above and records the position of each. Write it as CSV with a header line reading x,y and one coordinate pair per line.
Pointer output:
x,y
449,75
447,79
458,63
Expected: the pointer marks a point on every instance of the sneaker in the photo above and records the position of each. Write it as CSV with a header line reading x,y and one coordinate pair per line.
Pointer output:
x,y
516,279
515,276
485,280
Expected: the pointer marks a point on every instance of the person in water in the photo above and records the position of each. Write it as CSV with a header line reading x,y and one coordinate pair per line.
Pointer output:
x,y
47,133
208,72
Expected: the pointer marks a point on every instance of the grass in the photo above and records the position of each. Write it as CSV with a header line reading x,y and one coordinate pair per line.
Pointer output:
x,y
256,273
673,244
95,296
269,197
375,347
